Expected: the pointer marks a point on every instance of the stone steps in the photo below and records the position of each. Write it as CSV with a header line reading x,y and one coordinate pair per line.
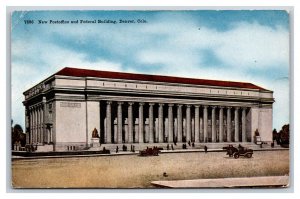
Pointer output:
x,y
141,146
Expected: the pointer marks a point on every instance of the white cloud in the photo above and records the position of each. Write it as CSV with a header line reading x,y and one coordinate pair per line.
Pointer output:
x,y
27,74
253,45
176,46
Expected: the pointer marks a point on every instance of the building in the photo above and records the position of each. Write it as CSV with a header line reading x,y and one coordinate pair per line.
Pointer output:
x,y
63,110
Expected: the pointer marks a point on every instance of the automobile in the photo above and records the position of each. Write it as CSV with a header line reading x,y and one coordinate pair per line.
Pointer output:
x,y
243,151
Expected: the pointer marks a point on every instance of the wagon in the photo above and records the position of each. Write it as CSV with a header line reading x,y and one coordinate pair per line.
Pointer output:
x,y
149,152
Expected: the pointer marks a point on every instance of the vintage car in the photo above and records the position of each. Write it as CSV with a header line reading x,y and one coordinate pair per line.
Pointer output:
x,y
239,151
150,152
243,151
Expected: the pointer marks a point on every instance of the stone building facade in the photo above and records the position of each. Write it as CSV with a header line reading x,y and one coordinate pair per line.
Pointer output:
x,y
63,110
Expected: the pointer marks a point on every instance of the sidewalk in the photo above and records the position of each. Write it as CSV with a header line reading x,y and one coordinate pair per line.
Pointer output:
x,y
113,153
277,181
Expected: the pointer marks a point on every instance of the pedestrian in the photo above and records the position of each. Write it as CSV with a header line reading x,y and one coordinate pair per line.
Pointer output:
x,y
189,142
172,147
205,149
193,144
117,149
168,147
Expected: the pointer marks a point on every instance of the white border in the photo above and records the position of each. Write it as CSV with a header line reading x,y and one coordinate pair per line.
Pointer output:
x,y
208,5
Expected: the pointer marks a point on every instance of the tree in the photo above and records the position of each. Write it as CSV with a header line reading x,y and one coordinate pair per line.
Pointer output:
x,y
18,136
284,135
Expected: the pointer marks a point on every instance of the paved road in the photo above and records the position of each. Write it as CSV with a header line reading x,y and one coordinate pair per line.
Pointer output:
x,y
134,171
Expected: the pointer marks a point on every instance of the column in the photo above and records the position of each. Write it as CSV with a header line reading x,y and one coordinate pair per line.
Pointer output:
x,y
179,125
188,123
41,125
51,134
34,126
119,122
236,124
44,120
170,123
151,123
244,138
197,124
108,123
141,123
37,124
160,123
31,124
213,124
205,123
229,124
130,123
221,125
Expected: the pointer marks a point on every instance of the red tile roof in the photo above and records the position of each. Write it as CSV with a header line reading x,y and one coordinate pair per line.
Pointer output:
x,y
155,78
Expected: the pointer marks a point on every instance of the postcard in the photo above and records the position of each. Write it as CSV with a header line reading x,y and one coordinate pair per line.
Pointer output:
x,y
150,98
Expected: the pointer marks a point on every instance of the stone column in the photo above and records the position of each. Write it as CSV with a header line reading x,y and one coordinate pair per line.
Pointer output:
x,y
37,124
42,125
130,123
201,129
108,123
179,120
205,123
213,124
197,124
188,123
31,124
151,123
160,123
141,123
119,122
229,124
236,124
244,138
44,120
170,123
221,125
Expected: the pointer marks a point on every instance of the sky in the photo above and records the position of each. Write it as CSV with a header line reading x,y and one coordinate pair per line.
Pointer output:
x,y
234,45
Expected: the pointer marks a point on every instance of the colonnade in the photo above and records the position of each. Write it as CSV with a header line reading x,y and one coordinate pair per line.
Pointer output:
x,y
37,125
141,122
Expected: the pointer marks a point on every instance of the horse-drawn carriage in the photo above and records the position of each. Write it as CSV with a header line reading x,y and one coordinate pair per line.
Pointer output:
x,y
150,152
239,151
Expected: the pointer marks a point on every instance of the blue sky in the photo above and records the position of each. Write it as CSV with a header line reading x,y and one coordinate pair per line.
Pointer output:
x,y
248,46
